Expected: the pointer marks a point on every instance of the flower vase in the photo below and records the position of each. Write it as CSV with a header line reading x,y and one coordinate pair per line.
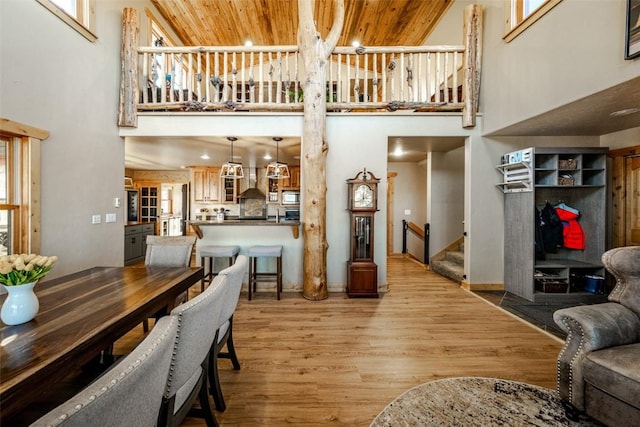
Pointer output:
x,y
21,304
220,216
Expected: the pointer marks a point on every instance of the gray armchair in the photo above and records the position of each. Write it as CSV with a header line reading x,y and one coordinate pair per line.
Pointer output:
x,y
599,365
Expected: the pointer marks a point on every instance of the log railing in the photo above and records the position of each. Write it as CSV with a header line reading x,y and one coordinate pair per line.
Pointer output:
x,y
266,78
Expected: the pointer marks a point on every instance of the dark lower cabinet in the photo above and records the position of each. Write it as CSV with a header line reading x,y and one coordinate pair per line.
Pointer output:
x,y
135,241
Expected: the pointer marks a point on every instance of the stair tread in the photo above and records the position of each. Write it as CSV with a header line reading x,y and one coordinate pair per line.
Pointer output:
x,y
448,269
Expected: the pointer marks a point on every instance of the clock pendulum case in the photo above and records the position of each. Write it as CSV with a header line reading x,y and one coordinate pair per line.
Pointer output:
x,y
362,272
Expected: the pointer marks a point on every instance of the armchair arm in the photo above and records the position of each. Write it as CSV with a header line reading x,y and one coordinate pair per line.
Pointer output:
x,y
590,328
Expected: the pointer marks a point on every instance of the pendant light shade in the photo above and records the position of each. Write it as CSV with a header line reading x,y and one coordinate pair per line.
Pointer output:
x,y
232,169
277,170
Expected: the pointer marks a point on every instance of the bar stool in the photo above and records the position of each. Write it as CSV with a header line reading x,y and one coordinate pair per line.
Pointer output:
x,y
215,251
259,251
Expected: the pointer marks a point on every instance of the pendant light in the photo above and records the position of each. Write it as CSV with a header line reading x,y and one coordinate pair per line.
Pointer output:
x,y
277,170
232,169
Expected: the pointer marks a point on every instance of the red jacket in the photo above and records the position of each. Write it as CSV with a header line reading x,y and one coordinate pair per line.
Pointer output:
x,y
572,231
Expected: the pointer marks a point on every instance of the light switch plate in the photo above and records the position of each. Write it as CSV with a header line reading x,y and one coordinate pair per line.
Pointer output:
x,y
407,211
110,217
95,219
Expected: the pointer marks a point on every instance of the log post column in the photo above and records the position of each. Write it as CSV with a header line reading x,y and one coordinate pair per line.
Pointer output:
x,y
315,53
128,115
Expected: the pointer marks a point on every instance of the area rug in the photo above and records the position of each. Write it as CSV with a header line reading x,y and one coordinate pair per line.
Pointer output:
x,y
471,401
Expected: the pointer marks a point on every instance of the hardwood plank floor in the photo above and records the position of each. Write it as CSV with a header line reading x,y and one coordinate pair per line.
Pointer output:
x,y
340,361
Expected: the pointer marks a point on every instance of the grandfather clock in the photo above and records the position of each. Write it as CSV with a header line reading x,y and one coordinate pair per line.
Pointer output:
x,y
362,272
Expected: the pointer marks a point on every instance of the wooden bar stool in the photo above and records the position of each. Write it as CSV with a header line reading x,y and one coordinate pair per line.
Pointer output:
x,y
259,251
215,251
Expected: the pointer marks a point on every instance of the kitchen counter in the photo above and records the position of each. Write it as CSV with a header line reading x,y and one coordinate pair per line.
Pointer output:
x,y
196,224
249,232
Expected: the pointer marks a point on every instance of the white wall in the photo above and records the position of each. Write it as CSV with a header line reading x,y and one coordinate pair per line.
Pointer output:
x,y
55,79
446,198
410,193
573,51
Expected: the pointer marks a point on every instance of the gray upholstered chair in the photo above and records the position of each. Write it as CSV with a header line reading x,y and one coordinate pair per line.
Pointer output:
x,y
235,276
130,392
169,251
599,365
197,319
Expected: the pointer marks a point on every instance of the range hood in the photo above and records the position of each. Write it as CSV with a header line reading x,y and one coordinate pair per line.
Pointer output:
x,y
252,191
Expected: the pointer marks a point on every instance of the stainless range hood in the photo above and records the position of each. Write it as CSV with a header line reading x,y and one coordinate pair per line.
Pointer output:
x,y
252,191
253,202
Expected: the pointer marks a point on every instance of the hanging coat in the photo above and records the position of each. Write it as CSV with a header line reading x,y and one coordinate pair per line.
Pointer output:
x,y
551,229
572,233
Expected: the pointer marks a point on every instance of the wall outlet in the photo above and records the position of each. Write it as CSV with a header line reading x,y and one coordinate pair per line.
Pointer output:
x,y
95,219
110,217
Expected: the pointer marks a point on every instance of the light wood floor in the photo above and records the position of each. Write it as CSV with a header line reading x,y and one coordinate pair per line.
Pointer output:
x,y
340,361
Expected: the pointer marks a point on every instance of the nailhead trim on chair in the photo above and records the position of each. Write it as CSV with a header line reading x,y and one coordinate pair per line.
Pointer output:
x,y
570,338
122,375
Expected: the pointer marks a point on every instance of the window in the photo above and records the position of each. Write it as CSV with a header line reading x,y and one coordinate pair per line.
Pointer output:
x,y
78,14
523,13
19,187
166,69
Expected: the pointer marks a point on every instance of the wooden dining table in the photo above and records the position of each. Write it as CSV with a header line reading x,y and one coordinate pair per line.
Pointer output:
x,y
80,316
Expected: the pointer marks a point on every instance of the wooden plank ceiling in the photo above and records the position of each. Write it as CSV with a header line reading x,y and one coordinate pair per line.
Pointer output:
x,y
275,22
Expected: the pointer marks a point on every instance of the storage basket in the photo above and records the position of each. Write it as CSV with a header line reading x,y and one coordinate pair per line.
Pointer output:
x,y
566,179
567,164
552,286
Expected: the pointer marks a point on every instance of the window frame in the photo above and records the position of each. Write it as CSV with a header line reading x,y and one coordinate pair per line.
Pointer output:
x,y
514,26
23,195
84,23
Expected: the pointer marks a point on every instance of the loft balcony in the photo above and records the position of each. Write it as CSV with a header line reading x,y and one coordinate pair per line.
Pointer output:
x,y
268,78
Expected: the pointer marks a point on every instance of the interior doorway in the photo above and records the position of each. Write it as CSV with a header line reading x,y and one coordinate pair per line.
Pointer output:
x,y
626,196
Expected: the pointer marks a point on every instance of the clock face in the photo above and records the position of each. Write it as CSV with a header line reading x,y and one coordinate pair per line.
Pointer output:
x,y
363,197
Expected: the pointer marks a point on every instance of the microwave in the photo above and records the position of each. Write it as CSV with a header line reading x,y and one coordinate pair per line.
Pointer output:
x,y
290,197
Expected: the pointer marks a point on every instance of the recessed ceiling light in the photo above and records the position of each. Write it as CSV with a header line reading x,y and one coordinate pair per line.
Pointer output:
x,y
205,156
625,112
398,151
355,43
248,43
267,156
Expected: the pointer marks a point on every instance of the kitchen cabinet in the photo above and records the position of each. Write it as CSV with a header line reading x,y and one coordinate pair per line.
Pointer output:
x,y
532,178
229,190
206,184
135,242
275,186
149,200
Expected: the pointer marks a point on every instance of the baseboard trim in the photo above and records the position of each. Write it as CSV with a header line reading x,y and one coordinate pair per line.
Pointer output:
x,y
482,286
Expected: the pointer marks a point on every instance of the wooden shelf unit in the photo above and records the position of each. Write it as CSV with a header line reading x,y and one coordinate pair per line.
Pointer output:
x,y
577,177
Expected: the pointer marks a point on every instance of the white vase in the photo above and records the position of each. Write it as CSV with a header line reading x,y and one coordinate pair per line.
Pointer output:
x,y
21,304
220,216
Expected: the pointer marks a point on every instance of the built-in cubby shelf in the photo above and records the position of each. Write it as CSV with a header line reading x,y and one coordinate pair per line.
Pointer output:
x,y
576,177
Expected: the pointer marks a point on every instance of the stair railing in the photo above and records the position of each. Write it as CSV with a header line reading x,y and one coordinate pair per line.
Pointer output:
x,y
420,233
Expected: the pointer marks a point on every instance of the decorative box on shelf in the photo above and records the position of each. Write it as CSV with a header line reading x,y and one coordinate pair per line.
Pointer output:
x,y
552,286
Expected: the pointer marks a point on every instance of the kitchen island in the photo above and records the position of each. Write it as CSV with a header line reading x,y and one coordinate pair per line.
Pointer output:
x,y
248,232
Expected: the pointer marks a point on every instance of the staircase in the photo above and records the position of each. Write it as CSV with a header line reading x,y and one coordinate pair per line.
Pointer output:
x,y
450,263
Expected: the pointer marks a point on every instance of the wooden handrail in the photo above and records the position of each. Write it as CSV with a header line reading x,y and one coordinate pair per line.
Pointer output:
x,y
416,229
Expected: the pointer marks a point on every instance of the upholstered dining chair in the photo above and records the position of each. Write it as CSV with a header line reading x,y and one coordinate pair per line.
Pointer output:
x,y
169,251
234,278
188,376
129,393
